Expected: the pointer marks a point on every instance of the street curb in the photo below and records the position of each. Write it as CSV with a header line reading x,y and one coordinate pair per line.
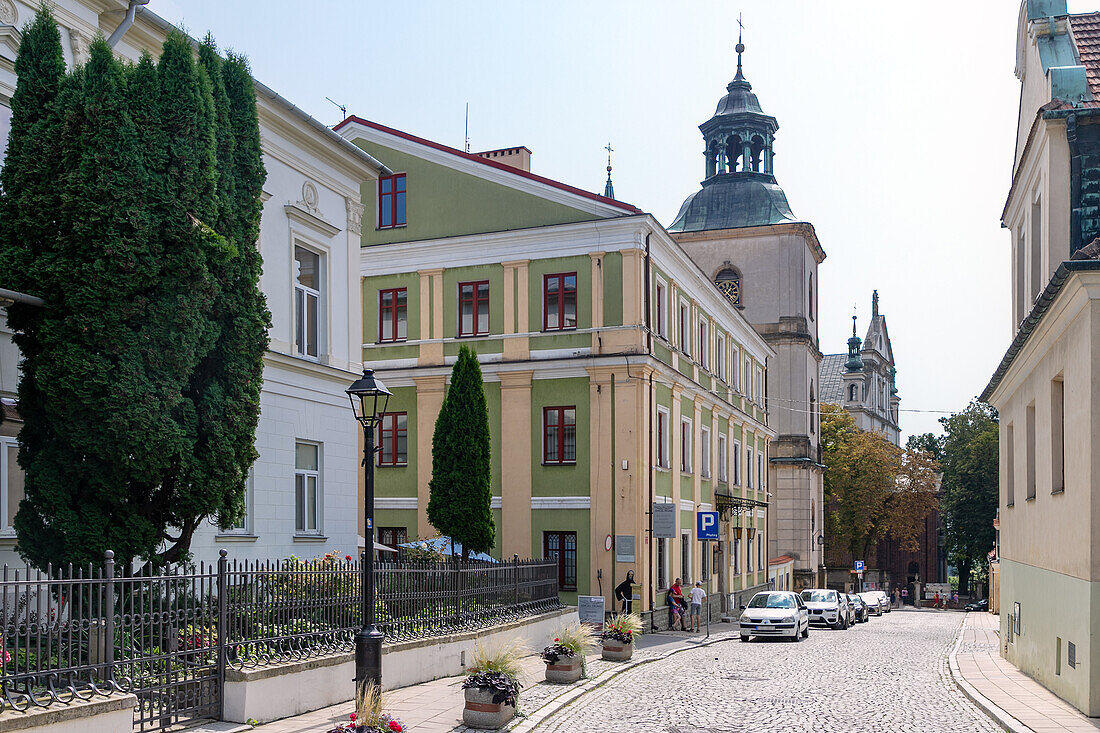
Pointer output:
x,y
555,704
999,716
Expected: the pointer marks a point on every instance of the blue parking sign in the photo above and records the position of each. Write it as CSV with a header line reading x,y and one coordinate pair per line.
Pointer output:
x,y
706,525
859,566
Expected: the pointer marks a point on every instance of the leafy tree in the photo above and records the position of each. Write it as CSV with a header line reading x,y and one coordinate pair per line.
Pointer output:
x,y
873,489
928,443
460,484
140,378
970,486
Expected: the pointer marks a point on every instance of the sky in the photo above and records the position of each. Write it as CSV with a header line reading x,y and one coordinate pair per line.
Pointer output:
x,y
896,128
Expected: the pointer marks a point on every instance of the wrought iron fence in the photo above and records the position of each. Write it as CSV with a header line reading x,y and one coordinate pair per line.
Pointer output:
x,y
168,634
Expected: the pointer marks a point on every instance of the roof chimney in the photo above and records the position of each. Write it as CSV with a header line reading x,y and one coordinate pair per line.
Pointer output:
x,y
516,157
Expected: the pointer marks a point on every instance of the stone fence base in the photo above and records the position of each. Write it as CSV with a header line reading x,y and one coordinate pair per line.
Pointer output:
x,y
112,714
281,690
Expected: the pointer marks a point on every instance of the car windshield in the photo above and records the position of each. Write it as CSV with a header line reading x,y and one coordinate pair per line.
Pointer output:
x,y
819,596
771,600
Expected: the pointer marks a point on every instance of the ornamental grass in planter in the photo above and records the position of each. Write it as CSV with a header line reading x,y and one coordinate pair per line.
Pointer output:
x,y
368,716
618,636
565,658
492,688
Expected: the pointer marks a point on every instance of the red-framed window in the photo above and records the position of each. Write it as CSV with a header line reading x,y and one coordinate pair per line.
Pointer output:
x,y
393,439
393,536
393,318
559,431
562,548
473,308
559,311
391,201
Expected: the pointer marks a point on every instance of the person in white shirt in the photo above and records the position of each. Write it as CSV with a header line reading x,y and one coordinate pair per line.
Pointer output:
x,y
697,596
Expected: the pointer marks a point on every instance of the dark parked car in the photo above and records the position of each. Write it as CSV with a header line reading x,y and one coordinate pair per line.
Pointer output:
x,y
982,605
859,608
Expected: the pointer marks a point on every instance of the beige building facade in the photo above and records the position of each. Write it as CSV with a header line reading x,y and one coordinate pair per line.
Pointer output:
x,y
1046,388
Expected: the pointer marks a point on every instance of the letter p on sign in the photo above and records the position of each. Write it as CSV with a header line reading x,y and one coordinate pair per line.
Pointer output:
x,y
706,525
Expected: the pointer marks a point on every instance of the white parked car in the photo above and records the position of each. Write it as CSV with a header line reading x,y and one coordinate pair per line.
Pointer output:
x,y
775,613
827,607
874,602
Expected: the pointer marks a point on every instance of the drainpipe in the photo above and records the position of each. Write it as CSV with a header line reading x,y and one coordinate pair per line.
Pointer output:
x,y
126,22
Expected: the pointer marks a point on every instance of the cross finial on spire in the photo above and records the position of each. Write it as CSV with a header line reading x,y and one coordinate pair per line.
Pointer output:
x,y
740,48
608,189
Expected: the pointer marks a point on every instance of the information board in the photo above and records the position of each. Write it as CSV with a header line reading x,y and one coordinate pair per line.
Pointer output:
x,y
590,609
624,548
664,521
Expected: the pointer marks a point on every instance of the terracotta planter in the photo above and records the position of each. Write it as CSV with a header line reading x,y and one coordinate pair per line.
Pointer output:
x,y
617,651
565,670
482,712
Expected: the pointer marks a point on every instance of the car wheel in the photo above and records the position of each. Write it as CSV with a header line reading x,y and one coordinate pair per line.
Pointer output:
x,y
744,638
806,631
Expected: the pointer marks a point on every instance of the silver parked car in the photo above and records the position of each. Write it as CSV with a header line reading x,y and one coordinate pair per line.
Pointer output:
x,y
827,607
859,609
775,613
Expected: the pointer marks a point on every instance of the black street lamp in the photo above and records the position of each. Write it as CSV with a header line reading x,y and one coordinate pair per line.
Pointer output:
x,y
367,395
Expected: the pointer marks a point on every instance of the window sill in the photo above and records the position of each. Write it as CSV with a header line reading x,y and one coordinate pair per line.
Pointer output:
x,y
1029,499
1058,491
394,226
310,538
559,463
235,537
685,473
393,465
390,342
662,469
474,335
567,329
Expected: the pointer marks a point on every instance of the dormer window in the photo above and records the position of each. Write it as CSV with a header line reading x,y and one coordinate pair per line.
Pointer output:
x,y
729,282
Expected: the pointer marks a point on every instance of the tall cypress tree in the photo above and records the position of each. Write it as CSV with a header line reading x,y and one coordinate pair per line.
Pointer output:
x,y
461,461
141,376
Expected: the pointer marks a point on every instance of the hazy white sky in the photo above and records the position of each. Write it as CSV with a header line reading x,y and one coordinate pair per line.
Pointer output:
x,y
896,132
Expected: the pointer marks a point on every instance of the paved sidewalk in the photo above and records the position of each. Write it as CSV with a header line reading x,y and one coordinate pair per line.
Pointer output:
x,y
1009,696
436,706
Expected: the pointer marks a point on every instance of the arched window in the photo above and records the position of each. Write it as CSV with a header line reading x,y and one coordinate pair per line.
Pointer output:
x,y
813,409
853,392
757,150
729,282
810,299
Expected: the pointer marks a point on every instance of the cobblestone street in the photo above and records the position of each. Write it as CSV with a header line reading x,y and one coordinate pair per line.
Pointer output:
x,y
886,675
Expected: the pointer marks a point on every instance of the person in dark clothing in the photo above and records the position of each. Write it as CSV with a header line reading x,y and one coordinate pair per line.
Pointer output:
x,y
624,592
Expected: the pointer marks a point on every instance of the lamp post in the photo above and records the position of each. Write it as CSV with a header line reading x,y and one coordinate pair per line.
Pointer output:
x,y
367,395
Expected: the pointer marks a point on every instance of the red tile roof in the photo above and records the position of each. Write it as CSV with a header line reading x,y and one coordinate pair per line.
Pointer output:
x,y
1086,35
780,560
627,208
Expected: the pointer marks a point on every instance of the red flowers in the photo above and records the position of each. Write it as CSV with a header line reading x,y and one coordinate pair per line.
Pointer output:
x,y
353,717
347,557
395,726
557,639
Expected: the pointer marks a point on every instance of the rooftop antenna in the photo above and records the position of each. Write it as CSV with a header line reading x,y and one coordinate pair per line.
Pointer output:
x,y
467,127
343,109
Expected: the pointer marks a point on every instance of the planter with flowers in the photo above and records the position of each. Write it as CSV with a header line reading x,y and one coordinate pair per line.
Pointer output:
x,y
618,636
492,688
565,658
368,716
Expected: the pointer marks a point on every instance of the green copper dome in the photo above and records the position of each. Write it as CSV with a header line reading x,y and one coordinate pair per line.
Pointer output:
x,y
734,200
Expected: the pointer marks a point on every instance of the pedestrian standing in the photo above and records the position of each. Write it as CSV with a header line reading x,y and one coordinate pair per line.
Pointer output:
x,y
676,606
697,597
897,599
936,600
904,595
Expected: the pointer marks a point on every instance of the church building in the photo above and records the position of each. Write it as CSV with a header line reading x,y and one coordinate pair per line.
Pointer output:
x,y
739,229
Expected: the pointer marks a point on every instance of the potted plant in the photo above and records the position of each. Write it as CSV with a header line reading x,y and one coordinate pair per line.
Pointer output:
x,y
618,636
492,688
368,716
565,658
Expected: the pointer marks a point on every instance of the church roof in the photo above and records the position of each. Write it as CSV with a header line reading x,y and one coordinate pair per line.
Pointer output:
x,y
1086,36
739,100
734,200
831,380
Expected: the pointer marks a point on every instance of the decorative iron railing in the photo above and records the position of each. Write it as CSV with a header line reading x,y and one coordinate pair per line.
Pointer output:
x,y
168,634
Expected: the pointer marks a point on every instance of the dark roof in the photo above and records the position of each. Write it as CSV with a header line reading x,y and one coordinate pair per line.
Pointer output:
x,y
1086,36
831,379
739,100
1035,317
732,201
489,162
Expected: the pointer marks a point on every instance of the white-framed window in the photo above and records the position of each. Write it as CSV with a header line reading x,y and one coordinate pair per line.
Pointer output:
x,y
722,459
736,463
11,485
735,556
660,308
664,438
720,356
748,556
307,302
747,377
685,556
760,470
685,327
759,549
307,488
735,371
704,451
685,444
748,467
243,527
704,344
758,386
